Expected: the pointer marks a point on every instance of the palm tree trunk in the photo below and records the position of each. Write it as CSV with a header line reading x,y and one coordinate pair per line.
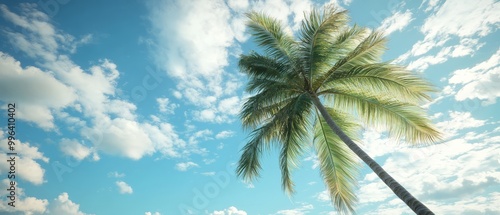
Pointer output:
x,y
417,206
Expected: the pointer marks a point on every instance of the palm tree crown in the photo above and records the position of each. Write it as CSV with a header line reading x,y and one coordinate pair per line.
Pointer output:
x,y
332,75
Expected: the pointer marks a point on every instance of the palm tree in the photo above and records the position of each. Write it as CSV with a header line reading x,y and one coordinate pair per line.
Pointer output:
x,y
326,81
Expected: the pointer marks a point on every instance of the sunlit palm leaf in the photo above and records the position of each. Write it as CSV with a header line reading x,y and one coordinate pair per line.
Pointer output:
x,y
337,162
270,34
382,79
368,51
402,120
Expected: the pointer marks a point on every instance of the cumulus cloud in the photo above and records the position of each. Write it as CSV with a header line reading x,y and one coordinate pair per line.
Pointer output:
x,y
229,211
152,213
22,85
124,188
24,204
121,137
27,157
185,166
74,149
108,123
62,205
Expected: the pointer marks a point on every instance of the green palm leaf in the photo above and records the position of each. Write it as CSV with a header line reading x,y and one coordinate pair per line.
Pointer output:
x,y
368,51
316,34
383,111
337,163
382,79
270,34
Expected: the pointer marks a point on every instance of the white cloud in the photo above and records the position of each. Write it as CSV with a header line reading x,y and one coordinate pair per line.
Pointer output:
x,y
195,51
151,213
26,158
323,196
458,121
121,137
165,106
185,166
23,203
22,85
314,159
74,149
479,82
165,139
431,4
304,209
224,134
204,134
108,123
229,211
230,105
477,18
397,22
124,188
238,5
62,205
466,47
454,19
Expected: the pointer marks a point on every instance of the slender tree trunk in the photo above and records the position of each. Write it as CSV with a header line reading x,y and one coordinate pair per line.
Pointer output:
x,y
417,206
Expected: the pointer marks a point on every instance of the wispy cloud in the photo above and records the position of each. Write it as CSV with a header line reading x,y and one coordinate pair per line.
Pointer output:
x,y
397,22
185,166
476,21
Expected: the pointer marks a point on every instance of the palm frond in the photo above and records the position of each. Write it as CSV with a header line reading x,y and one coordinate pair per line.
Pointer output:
x,y
249,164
317,33
382,79
294,119
264,67
261,107
270,34
368,51
401,119
337,162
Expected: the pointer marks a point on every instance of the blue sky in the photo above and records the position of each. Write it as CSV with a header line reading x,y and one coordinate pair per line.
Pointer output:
x,y
132,108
